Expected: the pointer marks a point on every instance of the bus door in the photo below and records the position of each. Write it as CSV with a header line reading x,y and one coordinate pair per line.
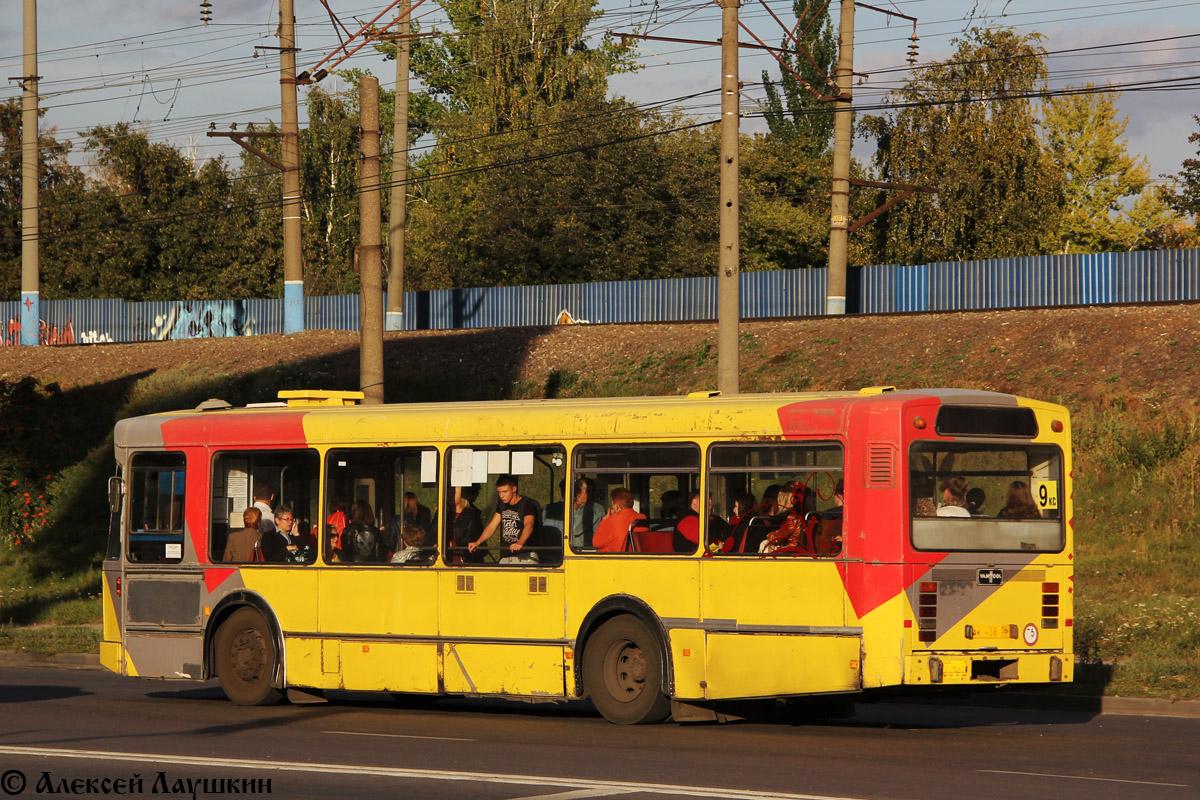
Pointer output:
x,y
161,604
501,617
378,592
771,593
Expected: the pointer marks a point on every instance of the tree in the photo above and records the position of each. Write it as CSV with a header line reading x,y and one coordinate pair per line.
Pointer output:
x,y
1187,199
794,114
1084,136
58,183
966,126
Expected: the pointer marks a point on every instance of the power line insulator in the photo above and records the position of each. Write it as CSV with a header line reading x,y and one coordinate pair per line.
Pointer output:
x,y
205,11
912,49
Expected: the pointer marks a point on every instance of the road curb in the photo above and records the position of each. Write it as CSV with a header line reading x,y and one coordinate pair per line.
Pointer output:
x,y
66,660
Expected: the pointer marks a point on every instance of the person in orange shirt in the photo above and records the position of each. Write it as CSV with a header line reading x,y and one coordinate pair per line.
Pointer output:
x,y
612,534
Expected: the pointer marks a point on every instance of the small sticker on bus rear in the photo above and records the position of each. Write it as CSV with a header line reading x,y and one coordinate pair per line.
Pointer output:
x,y
991,577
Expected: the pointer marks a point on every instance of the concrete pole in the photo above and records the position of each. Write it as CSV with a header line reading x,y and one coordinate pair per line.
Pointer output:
x,y
293,264
370,238
398,209
727,262
835,299
30,232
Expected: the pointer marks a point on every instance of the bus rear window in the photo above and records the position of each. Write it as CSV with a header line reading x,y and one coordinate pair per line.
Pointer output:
x,y
986,497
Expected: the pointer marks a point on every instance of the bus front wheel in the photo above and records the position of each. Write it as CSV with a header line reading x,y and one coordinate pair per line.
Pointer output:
x,y
245,659
622,671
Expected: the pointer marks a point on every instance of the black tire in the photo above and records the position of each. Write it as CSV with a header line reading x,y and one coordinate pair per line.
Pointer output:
x,y
244,655
623,673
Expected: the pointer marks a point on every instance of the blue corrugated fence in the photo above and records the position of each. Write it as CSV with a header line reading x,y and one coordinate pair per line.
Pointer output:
x,y
1140,277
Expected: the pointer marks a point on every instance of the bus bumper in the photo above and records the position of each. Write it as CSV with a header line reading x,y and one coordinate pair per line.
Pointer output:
x,y
112,657
961,668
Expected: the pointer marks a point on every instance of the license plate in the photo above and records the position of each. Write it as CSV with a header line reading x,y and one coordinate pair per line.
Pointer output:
x,y
952,670
992,632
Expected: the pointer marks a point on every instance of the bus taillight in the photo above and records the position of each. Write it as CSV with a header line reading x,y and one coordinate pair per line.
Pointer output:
x,y
927,611
118,587
1049,606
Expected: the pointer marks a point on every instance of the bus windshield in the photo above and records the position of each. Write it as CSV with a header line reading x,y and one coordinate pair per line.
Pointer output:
x,y
986,497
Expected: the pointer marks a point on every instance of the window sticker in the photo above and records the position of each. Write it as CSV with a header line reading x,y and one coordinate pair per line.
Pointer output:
x,y
522,462
1046,494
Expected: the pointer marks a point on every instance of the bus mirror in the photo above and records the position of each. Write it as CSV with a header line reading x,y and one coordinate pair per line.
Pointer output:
x,y
115,490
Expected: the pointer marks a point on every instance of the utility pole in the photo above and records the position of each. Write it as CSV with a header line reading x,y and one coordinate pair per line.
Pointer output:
x,y
839,236
398,210
370,240
727,263
293,265
30,232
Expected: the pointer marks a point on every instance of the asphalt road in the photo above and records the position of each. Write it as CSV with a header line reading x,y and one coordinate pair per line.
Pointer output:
x,y
60,729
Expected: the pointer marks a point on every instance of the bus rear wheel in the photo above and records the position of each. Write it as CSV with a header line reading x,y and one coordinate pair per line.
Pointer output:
x,y
245,659
622,671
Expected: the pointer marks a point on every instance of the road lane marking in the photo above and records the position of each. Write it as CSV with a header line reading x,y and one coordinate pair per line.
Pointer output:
x,y
581,794
400,736
611,787
1085,778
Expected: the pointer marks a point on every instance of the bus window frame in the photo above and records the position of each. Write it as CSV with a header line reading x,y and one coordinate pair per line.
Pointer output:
x,y
446,522
299,515
835,472
131,495
604,498
430,550
918,523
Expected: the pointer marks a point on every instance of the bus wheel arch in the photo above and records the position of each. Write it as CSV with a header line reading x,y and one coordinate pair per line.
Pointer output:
x,y
621,634
249,613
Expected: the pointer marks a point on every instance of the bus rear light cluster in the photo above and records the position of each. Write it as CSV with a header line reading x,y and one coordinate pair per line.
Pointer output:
x,y
927,611
1049,606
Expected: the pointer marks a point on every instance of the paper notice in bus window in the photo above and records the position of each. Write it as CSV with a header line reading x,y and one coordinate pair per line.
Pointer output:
x,y
429,466
497,462
479,467
522,462
1046,494
237,482
173,550
461,467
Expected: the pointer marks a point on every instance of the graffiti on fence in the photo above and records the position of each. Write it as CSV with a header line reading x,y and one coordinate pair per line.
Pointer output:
x,y
565,318
203,319
48,333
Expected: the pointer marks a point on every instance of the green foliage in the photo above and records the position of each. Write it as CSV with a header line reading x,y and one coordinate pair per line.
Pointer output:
x,y
1187,200
36,441
1084,136
794,113
966,127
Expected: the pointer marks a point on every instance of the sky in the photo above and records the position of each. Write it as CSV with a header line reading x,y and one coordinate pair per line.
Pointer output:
x,y
153,64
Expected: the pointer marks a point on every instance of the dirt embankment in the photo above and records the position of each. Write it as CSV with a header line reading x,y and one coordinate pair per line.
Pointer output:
x,y
1144,353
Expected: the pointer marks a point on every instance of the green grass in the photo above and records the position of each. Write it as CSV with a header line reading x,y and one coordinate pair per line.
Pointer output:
x,y
46,640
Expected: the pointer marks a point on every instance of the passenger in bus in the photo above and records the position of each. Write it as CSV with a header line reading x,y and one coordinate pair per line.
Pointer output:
x,y
687,530
466,527
827,533
1020,503
517,519
263,497
922,496
239,549
954,497
673,508
412,537
335,523
612,534
362,541
744,508
280,544
975,500
417,514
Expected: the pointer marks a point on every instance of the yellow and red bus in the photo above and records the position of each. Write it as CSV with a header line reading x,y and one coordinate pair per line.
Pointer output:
x,y
884,538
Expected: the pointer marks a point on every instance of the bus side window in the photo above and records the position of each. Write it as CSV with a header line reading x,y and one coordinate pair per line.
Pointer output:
x,y
156,507
289,477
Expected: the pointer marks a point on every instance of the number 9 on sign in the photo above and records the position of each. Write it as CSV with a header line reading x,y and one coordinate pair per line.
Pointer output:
x,y
1046,493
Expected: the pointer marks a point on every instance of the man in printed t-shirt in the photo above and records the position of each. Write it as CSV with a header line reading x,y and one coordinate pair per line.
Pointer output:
x,y
517,518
